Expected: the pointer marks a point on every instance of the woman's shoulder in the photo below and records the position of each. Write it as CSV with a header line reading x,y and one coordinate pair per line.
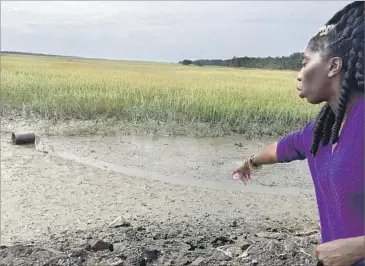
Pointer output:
x,y
308,129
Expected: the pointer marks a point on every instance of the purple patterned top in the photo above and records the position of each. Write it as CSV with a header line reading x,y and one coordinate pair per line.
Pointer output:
x,y
338,178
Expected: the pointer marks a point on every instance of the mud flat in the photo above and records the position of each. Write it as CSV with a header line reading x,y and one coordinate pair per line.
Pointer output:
x,y
171,199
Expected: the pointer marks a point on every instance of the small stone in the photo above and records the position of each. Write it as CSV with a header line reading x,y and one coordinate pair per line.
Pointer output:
x,y
273,245
87,247
222,240
245,245
234,223
101,245
198,262
278,236
156,235
117,263
78,252
150,254
185,261
254,262
301,234
314,240
222,254
283,256
291,248
119,222
118,247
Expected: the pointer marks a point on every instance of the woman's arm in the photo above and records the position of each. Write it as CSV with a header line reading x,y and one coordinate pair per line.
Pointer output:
x,y
267,156
290,148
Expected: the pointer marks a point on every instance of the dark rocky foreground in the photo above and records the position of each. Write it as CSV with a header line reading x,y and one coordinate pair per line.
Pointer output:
x,y
204,242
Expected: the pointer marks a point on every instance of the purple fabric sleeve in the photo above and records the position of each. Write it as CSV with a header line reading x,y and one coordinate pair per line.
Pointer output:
x,y
294,146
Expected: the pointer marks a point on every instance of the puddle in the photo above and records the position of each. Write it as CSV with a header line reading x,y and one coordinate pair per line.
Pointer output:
x,y
183,180
160,158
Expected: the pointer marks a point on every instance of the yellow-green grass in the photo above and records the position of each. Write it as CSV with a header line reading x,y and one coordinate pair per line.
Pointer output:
x,y
241,100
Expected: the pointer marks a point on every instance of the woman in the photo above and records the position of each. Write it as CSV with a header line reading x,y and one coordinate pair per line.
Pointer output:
x,y
333,144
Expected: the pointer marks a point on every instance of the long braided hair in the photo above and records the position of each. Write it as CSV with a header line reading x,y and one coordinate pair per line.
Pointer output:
x,y
342,36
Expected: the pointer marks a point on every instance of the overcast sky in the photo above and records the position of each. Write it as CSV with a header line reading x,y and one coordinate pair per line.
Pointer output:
x,y
162,31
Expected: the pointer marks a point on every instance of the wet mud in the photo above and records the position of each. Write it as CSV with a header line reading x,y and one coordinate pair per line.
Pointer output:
x,y
172,201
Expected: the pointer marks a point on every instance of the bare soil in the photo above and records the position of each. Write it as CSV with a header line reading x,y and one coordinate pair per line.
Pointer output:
x,y
172,201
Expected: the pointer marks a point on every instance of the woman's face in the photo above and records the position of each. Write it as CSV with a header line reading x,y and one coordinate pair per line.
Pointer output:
x,y
315,79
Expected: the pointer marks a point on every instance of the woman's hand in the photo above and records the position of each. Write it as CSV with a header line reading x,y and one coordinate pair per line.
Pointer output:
x,y
242,173
341,252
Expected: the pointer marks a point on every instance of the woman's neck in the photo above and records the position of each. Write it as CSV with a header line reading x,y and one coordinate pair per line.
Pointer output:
x,y
353,98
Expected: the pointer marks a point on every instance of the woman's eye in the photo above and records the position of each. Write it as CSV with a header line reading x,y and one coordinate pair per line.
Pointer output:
x,y
303,64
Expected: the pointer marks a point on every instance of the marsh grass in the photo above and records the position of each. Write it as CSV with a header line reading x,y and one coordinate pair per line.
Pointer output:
x,y
242,101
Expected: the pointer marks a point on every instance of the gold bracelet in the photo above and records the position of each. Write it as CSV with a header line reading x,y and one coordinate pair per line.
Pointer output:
x,y
248,163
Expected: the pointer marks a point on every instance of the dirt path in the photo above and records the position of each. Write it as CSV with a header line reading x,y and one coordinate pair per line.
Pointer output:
x,y
71,187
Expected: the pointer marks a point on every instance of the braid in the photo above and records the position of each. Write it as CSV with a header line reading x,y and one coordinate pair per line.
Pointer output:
x,y
338,15
327,127
360,69
349,82
318,128
343,36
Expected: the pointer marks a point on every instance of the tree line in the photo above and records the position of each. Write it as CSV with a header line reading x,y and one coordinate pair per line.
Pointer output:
x,y
292,62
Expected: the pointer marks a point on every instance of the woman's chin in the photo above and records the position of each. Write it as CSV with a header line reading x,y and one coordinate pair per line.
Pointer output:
x,y
301,94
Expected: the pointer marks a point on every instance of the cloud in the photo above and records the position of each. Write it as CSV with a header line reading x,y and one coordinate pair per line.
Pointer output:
x,y
168,31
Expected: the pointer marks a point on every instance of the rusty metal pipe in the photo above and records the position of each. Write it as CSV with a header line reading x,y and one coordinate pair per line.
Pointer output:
x,y
23,138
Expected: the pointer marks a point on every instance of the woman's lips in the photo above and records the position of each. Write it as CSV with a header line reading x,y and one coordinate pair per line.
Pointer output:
x,y
300,93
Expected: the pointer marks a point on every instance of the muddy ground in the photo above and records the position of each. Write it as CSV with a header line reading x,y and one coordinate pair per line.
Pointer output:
x,y
145,200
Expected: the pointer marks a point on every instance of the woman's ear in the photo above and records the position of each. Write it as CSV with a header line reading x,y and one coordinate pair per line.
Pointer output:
x,y
335,66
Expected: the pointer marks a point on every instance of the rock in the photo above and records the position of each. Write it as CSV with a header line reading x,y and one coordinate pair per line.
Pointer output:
x,y
149,255
116,262
119,222
234,223
245,245
235,251
198,262
273,245
278,236
239,144
314,239
101,245
291,248
87,247
78,252
184,261
283,256
225,255
271,229
245,254
156,235
195,243
309,233
118,247
172,234
254,262
222,240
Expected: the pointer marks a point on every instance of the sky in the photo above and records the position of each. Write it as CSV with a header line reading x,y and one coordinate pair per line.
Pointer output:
x,y
166,31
